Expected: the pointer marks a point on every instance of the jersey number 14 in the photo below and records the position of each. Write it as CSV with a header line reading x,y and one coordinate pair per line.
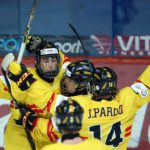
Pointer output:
x,y
114,136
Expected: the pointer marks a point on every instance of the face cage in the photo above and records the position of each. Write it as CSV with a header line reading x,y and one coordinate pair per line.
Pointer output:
x,y
48,76
80,89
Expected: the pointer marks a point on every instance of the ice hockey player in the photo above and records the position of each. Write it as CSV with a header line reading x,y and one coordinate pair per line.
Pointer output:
x,y
69,116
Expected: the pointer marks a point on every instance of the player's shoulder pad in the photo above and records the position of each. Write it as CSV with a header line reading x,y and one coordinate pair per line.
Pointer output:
x,y
140,88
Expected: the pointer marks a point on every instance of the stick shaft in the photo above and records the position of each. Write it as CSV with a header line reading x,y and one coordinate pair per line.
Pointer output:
x,y
85,51
20,55
27,31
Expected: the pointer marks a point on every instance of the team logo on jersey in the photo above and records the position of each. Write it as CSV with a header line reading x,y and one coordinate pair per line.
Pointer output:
x,y
144,93
140,88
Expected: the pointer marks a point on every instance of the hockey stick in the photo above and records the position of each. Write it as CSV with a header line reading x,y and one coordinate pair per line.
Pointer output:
x,y
7,60
79,38
5,63
27,31
10,58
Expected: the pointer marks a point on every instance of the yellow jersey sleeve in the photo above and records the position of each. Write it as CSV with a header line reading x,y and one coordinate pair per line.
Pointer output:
x,y
135,96
145,76
4,93
44,131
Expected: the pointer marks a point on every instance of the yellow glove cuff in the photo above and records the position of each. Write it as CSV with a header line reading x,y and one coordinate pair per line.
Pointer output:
x,y
14,68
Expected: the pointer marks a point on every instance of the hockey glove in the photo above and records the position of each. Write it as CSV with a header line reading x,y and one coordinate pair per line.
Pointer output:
x,y
15,111
23,116
32,43
21,75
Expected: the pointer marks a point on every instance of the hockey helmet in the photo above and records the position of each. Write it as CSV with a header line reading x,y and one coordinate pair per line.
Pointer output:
x,y
47,49
103,85
80,72
69,115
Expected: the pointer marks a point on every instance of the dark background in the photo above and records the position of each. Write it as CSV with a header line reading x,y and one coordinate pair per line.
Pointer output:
x,y
110,17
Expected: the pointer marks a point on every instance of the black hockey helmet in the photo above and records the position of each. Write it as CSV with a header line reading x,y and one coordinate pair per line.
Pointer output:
x,y
80,72
69,115
104,84
47,49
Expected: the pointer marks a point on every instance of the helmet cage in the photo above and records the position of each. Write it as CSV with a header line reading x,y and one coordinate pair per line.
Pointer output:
x,y
48,52
81,81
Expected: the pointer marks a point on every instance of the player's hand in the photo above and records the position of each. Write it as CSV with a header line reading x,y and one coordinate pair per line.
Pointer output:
x,y
15,111
32,42
15,68
23,116
21,75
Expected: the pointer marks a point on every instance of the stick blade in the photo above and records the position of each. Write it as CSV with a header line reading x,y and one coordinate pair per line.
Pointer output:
x,y
7,60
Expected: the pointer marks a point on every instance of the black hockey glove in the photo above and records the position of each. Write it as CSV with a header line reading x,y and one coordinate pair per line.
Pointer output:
x,y
21,75
32,43
23,116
